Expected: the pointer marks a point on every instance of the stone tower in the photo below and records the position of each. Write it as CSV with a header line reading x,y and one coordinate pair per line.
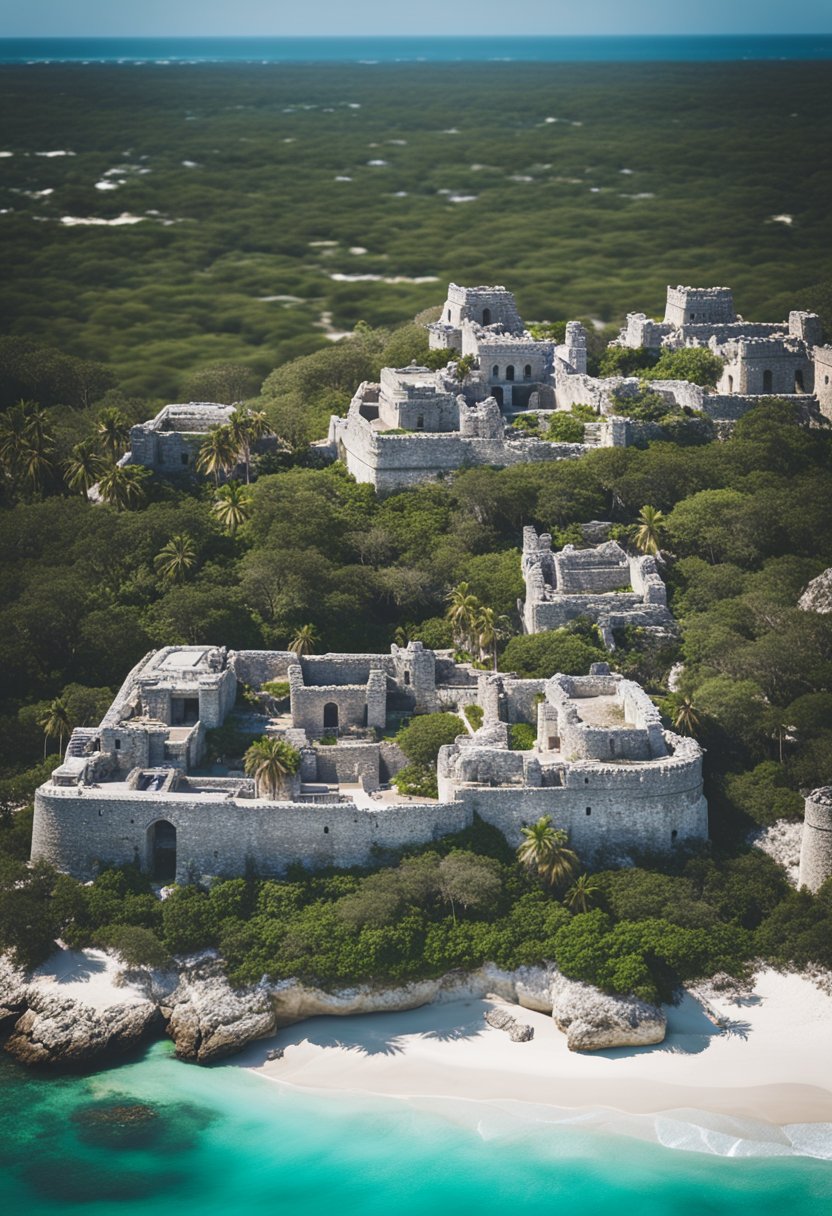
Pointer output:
x,y
816,846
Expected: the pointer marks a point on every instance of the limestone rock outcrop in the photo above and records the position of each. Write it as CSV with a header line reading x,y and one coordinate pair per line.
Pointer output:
x,y
56,1031
818,595
593,1020
527,986
501,1019
208,1019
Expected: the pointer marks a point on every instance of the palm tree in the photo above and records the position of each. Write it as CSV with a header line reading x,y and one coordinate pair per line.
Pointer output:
x,y
55,724
218,452
463,610
84,466
247,426
270,762
581,894
113,431
651,525
232,506
304,641
121,486
175,559
546,850
26,444
685,718
485,627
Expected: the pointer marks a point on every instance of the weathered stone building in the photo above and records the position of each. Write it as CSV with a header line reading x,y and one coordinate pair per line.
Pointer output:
x,y
602,583
170,442
131,789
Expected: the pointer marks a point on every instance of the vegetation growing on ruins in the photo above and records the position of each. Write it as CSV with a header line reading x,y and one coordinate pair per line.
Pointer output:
x,y
235,284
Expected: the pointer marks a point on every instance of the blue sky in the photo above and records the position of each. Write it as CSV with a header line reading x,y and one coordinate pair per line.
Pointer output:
x,y
59,18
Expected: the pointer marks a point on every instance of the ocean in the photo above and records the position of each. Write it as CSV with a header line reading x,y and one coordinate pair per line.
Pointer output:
x,y
646,48
177,1140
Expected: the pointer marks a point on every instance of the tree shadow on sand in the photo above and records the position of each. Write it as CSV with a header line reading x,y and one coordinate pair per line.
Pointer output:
x,y
372,1034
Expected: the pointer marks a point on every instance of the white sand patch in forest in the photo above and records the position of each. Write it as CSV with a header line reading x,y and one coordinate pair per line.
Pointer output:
x,y
59,152
5,155
377,164
342,177
92,221
357,250
338,277
781,219
463,198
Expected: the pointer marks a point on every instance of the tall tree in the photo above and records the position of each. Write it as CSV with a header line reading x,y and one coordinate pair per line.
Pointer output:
x,y
218,453
232,506
304,641
581,895
649,532
122,486
84,466
246,427
546,849
685,717
113,431
55,724
463,610
270,761
177,558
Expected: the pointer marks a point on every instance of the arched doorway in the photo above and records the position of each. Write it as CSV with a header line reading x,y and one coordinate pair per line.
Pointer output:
x,y
161,850
330,716
497,394
767,381
486,316
510,372
798,381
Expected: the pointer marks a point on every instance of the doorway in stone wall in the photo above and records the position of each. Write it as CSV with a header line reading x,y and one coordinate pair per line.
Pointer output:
x,y
330,716
161,850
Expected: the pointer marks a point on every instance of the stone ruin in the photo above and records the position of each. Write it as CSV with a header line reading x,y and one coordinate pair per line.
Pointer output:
x,y
601,583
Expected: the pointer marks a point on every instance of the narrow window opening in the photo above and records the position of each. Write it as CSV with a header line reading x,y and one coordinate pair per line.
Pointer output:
x,y
589,810
118,745
184,457
673,834
527,372
510,372
326,831
730,384
798,381
486,316
420,422
407,677
767,381
495,372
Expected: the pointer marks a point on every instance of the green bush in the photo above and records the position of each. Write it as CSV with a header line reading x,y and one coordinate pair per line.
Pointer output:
x,y
522,737
565,428
422,739
474,714
418,780
540,655
279,689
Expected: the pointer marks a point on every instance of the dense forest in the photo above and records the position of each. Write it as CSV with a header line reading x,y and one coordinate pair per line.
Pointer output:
x,y
102,324
265,193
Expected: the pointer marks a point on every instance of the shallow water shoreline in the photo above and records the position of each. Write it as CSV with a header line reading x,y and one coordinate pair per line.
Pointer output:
x,y
761,1084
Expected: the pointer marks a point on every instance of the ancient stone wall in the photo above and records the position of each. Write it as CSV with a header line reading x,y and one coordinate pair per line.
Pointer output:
x,y
81,835
823,379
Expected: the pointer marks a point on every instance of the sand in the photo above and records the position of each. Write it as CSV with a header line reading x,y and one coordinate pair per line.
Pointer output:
x,y
765,1079
88,976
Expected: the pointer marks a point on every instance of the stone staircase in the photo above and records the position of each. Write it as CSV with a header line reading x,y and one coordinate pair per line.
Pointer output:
x,y
80,741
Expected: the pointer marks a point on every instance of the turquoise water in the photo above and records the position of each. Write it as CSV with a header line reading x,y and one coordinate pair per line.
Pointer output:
x,y
635,49
166,1138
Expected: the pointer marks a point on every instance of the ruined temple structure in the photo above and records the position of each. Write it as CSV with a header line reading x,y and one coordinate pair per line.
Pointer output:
x,y
760,357
134,789
416,424
601,583
170,442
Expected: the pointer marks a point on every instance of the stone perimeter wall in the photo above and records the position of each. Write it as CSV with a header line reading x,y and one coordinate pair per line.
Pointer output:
x,y
628,808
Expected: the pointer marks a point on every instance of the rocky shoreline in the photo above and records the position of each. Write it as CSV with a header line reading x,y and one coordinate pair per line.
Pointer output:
x,y
208,1020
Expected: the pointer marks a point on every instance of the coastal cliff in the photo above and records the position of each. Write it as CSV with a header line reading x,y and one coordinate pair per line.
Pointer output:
x,y
55,1020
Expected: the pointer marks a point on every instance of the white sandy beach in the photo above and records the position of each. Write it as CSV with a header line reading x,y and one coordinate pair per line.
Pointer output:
x,y
770,1069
